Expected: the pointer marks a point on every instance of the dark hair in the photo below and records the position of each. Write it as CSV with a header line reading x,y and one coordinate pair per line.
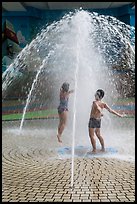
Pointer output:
x,y
65,86
100,93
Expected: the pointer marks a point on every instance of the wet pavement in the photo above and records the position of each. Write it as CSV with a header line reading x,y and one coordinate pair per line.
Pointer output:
x,y
31,176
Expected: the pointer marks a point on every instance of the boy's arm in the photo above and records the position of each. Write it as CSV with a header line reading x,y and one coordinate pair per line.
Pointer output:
x,y
112,111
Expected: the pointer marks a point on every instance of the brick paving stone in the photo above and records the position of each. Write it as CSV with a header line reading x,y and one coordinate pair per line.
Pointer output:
x,y
82,196
93,197
130,193
104,200
130,197
58,200
5,200
103,195
95,200
95,180
65,197
66,200
111,197
31,199
22,199
48,199
123,200
114,200
75,197
48,196
86,200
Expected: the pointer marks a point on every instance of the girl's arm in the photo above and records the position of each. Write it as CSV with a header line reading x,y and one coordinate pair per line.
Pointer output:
x,y
67,93
71,91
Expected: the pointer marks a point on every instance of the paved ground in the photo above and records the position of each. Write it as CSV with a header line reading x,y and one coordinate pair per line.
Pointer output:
x,y
26,178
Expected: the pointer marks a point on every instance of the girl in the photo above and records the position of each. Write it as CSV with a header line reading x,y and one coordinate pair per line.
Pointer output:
x,y
63,108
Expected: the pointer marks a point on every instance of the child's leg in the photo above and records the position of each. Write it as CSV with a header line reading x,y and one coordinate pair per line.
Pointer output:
x,y
97,131
92,139
63,119
60,123
63,122
59,126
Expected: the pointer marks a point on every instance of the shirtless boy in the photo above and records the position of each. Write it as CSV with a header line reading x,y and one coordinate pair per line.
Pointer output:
x,y
95,119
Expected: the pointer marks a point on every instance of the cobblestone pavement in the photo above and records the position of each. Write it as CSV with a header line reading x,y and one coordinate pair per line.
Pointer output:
x,y
27,179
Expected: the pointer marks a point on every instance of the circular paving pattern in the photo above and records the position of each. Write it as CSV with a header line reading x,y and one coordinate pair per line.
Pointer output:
x,y
30,176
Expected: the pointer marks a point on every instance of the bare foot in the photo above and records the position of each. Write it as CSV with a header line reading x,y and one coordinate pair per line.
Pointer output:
x,y
94,151
59,140
102,150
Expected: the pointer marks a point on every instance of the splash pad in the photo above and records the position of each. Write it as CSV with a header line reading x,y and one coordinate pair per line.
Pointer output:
x,y
77,49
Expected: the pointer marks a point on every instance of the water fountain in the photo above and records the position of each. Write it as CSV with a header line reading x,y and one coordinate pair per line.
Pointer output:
x,y
82,49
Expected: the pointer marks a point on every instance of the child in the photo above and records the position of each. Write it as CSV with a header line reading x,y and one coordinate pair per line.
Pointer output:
x,y
95,119
63,108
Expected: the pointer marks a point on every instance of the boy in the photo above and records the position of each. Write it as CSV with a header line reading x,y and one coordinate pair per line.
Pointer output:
x,y
95,119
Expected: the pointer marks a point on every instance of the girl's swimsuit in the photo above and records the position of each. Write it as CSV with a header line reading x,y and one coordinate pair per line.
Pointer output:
x,y
63,106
